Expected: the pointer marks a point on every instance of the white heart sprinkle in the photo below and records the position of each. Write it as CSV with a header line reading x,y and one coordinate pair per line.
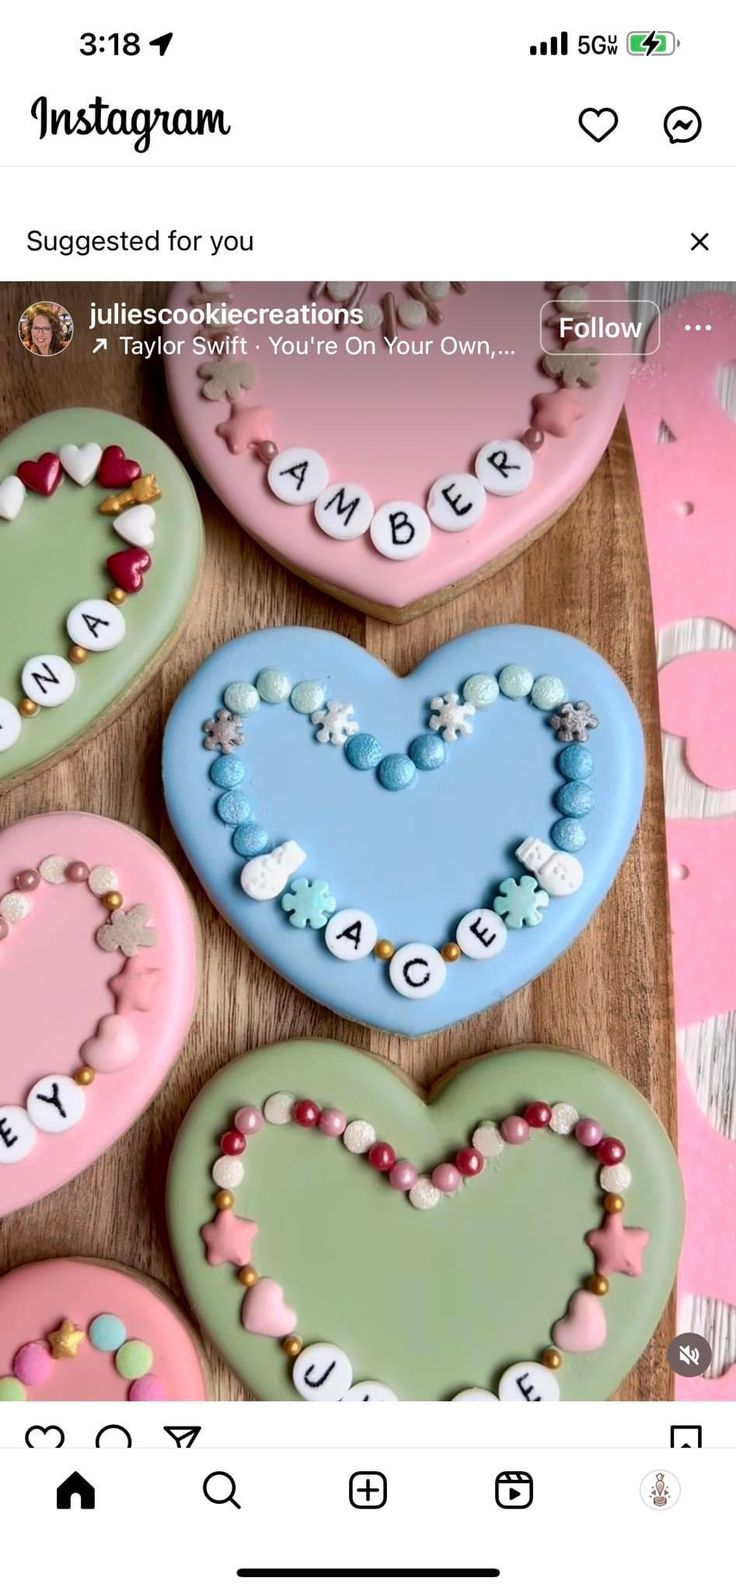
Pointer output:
x,y
80,463
12,493
136,525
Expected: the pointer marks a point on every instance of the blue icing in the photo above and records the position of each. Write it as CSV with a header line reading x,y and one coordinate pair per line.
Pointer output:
x,y
419,864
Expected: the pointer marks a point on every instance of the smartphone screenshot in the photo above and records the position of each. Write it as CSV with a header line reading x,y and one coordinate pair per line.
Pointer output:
x,y
367,797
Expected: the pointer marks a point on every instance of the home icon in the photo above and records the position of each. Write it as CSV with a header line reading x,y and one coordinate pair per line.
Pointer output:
x,y
75,1486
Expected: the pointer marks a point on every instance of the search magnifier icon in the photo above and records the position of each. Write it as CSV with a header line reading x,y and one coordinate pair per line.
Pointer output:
x,y
219,1487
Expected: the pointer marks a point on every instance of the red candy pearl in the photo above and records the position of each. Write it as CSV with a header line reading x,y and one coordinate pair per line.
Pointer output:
x,y
538,1114
469,1162
306,1113
232,1143
611,1151
382,1156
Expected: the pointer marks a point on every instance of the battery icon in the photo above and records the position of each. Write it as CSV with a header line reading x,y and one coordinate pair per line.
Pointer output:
x,y
651,43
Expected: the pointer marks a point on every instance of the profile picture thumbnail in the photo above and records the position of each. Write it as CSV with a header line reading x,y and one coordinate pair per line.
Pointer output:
x,y
45,329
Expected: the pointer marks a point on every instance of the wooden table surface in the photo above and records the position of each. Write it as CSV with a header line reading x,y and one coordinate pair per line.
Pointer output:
x,y
609,996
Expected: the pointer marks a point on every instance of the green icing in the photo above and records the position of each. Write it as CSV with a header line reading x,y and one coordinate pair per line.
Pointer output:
x,y
53,555
428,1302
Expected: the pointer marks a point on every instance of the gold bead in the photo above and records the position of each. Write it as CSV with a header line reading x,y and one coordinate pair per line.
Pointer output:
x,y
117,596
78,654
384,949
224,1200
451,951
248,1276
613,1203
27,708
551,1359
597,1284
113,900
84,1076
292,1346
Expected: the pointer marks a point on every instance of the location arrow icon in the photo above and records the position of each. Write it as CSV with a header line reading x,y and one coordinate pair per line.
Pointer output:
x,y
183,1435
162,42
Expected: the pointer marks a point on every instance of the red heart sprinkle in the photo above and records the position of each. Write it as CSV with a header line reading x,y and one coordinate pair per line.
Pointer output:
x,y
115,470
41,475
128,567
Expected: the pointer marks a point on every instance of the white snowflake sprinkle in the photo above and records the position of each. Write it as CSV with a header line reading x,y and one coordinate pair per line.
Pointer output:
x,y
451,715
335,723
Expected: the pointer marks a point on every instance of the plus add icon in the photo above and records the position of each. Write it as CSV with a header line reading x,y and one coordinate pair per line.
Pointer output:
x,y
368,1489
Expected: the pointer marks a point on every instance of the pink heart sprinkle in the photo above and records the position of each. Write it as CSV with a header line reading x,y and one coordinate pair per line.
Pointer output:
x,y
114,1045
264,1310
583,1328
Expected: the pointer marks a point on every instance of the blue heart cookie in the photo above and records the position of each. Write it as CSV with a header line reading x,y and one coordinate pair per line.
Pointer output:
x,y
406,851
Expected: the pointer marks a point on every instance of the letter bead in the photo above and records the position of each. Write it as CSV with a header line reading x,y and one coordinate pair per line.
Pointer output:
x,y
456,502
344,511
481,934
96,625
351,934
504,468
298,475
417,971
17,1134
11,724
528,1382
48,680
400,530
56,1103
322,1373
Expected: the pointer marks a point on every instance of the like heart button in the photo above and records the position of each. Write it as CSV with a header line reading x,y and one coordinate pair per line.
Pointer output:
x,y
598,124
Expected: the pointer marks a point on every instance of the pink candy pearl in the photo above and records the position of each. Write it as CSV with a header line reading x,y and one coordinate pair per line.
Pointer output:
x,y
28,879
77,872
147,1389
332,1122
446,1177
33,1364
514,1130
403,1175
249,1120
588,1132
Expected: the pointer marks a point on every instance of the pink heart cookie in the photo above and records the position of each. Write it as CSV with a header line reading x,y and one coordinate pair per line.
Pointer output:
x,y
583,1328
265,1312
398,430
87,1033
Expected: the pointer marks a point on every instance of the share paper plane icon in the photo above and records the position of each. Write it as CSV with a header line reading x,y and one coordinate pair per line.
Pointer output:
x,y
162,42
183,1435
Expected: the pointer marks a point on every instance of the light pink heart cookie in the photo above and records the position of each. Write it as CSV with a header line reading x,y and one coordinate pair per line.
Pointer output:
x,y
265,1312
697,697
403,428
76,1071
583,1328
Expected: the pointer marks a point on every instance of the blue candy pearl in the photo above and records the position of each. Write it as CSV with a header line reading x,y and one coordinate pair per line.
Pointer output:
x,y
575,761
515,681
481,690
547,692
428,751
396,771
107,1333
273,685
567,835
575,799
242,698
363,751
233,807
250,839
227,772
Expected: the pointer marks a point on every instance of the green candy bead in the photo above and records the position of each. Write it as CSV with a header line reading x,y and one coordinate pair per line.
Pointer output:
x,y
241,698
308,696
134,1359
273,685
548,692
515,681
481,690
12,1390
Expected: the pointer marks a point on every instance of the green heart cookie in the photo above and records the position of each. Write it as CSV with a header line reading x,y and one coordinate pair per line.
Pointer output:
x,y
427,1302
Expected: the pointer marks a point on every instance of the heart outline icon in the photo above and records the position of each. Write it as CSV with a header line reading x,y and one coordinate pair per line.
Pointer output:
x,y
44,1431
422,868
598,124
373,1276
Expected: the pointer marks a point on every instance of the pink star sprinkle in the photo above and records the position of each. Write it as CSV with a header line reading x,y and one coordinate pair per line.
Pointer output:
x,y
135,987
229,1239
618,1248
248,423
556,412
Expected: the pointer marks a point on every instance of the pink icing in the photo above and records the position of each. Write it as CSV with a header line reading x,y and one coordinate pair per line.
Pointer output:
x,y
394,425
54,989
36,1298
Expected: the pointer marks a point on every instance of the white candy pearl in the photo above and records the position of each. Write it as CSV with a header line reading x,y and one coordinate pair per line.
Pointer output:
x,y
487,1140
412,313
359,1137
424,1195
371,316
53,869
278,1108
228,1172
102,879
14,906
438,290
340,292
572,297
615,1179
564,1119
